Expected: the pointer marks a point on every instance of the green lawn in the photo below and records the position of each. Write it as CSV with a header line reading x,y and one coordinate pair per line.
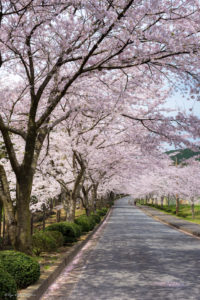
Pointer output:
x,y
184,212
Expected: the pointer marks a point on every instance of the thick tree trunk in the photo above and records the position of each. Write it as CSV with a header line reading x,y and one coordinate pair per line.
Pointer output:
x,y
23,193
88,203
69,204
72,209
23,242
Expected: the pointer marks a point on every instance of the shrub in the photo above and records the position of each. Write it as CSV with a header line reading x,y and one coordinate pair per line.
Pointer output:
x,y
44,242
57,236
96,217
102,212
77,229
92,222
83,222
8,287
69,230
86,223
23,268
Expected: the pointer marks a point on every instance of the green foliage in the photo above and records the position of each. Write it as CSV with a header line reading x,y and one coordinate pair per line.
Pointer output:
x,y
84,223
8,287
92,221
87,223
24,269
46,241
96,217
57,236
182,155
69,230
102,212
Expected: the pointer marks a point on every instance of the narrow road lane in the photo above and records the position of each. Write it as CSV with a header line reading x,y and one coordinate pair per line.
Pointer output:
x,y
134,257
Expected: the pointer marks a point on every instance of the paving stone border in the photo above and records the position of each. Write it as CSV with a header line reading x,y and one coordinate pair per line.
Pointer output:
x,y
35,291
186,226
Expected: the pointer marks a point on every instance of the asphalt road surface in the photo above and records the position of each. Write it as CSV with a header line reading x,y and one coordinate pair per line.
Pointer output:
x,y
132,257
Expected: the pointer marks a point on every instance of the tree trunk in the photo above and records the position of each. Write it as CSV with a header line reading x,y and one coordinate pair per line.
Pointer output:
x,y
177,204
1,214
192,208
23,192
44,218
168,200
58,216
72,209
86,200
162,199
9,213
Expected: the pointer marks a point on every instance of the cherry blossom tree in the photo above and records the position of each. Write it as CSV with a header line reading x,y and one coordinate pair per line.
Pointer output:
x,y
49,47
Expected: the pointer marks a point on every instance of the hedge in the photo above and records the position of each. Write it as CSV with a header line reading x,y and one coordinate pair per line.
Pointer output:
x,y
57,236
86,223
83,222
102,212
96,217
23,268
69,230
47,241
8,287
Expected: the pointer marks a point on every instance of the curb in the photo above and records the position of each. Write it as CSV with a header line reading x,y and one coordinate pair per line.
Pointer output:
x,y
182,228
35,291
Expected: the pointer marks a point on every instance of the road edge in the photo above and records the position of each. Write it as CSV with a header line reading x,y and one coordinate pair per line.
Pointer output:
x,y
172,224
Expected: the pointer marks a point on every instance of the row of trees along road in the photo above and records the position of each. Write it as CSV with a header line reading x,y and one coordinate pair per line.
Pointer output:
x,y
82,88
170,181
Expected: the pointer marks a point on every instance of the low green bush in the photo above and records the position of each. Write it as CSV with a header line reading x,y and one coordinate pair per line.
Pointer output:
x,y
87,223
8,287
83,222
57,236
102,212
23,268
69,230
46,242
183,215
96,217
92,221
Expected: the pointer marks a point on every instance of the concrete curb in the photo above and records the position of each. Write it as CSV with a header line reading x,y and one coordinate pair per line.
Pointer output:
x,y
35,291
183,227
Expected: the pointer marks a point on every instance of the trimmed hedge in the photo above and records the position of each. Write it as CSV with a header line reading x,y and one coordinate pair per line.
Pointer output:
x,y
57,236
47,241
92,221
8,287
69,230
96,217
23,268
86,223
102,212
83,222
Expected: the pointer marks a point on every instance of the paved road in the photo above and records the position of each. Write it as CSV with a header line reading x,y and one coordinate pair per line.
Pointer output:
x,y
133,257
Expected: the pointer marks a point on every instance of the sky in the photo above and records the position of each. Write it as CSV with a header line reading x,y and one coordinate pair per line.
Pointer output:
x,y
180,103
